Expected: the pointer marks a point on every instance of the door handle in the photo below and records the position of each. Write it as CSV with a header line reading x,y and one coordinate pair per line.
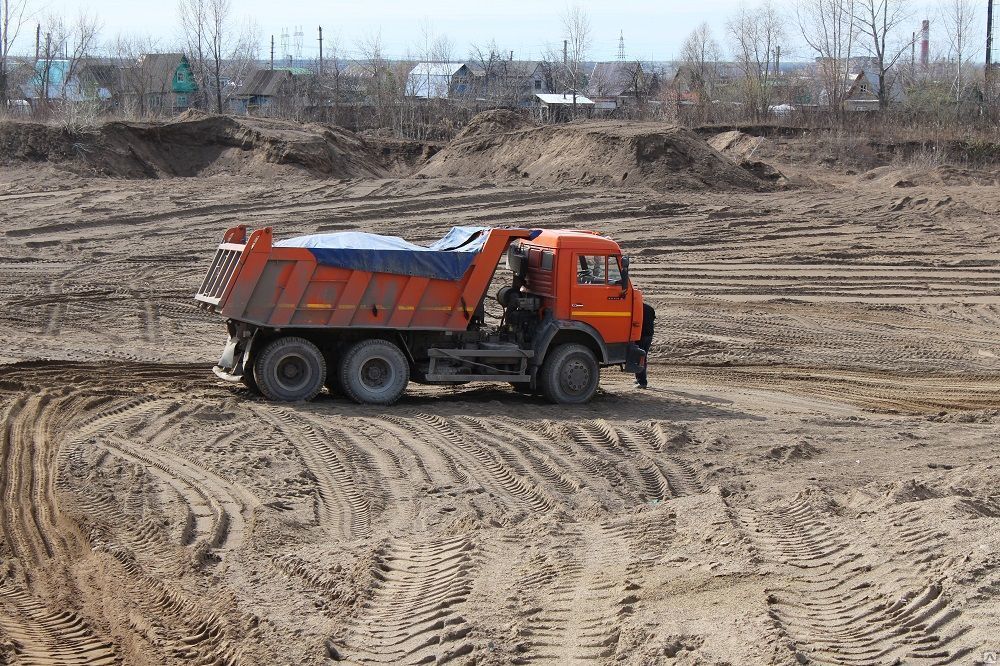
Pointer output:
x,y
578,305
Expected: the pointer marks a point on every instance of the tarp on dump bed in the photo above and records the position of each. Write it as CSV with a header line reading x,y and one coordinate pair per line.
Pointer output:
x,y
446,259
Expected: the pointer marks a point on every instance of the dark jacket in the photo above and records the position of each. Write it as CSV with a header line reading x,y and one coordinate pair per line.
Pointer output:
x,y
648,320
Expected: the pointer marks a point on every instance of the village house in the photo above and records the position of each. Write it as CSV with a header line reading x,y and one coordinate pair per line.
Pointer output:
x,y
439,80
270,91
862,96
66,82
554,107
161,83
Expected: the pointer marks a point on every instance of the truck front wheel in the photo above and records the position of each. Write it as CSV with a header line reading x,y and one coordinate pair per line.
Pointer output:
x,y
569,375
374,372
290,369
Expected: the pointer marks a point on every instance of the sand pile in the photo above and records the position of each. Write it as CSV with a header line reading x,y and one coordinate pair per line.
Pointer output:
x,y
502,146
194,144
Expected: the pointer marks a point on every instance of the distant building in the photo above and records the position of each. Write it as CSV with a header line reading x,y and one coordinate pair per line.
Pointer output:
x,y
439,80
163,82
553,107
66,82
863,93
268,90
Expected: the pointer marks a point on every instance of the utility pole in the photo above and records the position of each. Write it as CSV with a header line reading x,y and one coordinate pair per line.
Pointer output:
x,y
989,46
321,50
38,40
777,60
272,52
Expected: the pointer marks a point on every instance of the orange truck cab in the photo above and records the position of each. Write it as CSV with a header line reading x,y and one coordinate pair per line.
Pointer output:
x,y
363,315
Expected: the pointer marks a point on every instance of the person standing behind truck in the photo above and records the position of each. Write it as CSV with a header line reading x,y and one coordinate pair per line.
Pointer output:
x,y
645,341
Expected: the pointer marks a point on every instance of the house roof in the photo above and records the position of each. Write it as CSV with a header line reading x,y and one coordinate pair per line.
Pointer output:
x,y
157,71
264,83
436,68
564,98
896,92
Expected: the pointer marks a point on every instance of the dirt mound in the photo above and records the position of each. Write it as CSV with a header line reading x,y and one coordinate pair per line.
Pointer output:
x,y
606,153
494,122
736,144
193,144
937,175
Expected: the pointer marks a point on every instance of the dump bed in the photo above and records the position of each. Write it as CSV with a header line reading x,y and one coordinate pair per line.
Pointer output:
x,y
254,281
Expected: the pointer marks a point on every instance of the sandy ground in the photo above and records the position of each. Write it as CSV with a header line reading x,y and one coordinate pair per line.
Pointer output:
x,y
812,477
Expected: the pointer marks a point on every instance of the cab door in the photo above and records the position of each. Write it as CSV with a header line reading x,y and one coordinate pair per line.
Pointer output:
x,y
597,296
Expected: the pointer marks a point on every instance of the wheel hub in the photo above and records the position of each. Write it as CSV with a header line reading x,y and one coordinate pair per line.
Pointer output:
x,y
292,372
575,377
376,373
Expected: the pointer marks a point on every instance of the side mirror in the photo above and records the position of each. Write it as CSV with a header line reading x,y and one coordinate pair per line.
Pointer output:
x,y
625,282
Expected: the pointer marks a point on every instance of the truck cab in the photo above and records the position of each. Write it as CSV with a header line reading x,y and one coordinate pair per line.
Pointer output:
x,y
582,280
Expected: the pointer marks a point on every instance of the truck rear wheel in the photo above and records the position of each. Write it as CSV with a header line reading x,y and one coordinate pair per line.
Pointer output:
x,y
290,369
569,375
374,372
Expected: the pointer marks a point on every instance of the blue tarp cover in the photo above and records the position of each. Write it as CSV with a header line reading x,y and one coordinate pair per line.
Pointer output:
x,y
446,259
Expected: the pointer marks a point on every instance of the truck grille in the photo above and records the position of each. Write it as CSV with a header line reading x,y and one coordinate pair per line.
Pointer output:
x,y
222,269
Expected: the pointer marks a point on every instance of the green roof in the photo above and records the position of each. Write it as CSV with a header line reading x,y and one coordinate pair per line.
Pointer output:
x,y
296,71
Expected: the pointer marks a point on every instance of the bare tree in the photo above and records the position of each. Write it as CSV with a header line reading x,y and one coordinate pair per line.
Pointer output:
x,y
220,51
577,33
700,56
959,17
879,21
755,34
194,22
827,26
492,63
218,34
14,15
379,81
331,80
70,43
125,52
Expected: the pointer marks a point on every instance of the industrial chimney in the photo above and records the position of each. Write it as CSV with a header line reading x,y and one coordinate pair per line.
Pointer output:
x,y
925,44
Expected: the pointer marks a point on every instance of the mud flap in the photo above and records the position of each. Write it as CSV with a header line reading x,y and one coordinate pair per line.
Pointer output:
x,y
635,358
228,359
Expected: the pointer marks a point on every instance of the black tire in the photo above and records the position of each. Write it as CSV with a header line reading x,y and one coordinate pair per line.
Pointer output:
x,y
569,375
248,379
374,372
290,369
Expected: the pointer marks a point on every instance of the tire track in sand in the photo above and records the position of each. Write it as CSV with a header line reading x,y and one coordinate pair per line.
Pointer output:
x,y
339,503
44,638
31,529
578,620
215,507
834,610
415,615
487,465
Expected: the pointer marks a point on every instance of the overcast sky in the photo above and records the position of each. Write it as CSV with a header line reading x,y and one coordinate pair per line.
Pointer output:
x,y
653,30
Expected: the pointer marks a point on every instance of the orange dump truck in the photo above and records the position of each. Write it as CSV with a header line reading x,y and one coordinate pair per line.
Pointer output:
x,y
364,314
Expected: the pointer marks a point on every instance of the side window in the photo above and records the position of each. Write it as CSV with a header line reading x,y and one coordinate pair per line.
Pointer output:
x,y
592,269
614,271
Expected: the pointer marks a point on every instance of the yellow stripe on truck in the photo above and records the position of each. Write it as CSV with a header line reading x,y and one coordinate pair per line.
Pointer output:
x,y
586,313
